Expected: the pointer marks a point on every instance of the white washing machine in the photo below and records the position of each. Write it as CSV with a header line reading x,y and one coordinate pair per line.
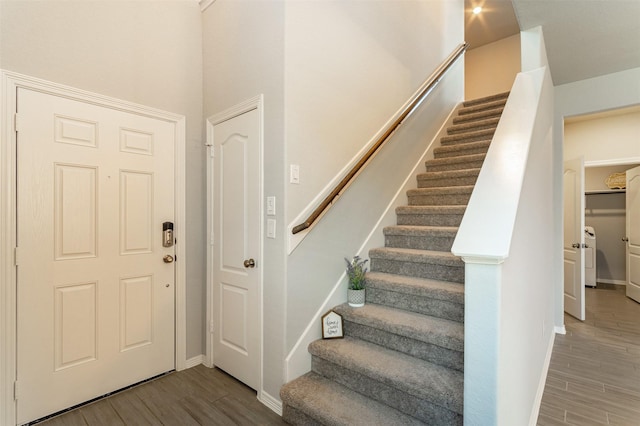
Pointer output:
x,y
590,256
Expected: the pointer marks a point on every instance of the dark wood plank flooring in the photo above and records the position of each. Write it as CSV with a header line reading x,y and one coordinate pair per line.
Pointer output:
x,y
594,375
197,396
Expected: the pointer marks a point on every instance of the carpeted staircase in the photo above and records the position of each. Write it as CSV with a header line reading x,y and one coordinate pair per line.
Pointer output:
x,y
401,360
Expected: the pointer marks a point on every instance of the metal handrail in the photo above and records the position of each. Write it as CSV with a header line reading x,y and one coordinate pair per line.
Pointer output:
x,y
413,104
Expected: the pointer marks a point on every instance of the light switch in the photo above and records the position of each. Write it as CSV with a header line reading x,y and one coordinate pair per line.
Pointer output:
x,y
271,206
271,228
294,175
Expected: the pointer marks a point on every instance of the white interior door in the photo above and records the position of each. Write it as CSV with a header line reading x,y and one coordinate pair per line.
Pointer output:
x,y
633,233
95,305
236,213
574,238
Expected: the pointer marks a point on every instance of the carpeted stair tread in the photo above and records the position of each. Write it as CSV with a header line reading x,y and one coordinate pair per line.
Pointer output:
x,y
486,99
438,331
421,379
463,177
469,148
454,195
478,135
417,263
329,403
430,215
421,231
419,287
487,123
481,115
458,159
420,237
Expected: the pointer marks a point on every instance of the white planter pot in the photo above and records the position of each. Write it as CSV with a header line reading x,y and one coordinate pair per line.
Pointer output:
x,y
355,298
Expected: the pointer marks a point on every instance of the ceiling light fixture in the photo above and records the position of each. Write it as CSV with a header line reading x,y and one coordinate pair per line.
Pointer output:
x,y
477,10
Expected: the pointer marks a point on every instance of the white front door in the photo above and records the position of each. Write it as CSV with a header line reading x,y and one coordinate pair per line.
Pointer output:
x,y
633,233
95,305
236,275
574,238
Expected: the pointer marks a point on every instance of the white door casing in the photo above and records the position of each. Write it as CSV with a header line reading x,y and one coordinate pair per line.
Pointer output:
x,y
235,252
633,233
574,274
9,256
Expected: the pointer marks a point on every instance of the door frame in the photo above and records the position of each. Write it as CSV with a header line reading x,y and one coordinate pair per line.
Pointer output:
x,y
11,81
257,103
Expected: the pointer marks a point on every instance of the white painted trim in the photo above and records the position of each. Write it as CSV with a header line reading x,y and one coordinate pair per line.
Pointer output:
x,y
257,103
607,281
613,162
10,83
559,329
195,361
533,420
272,403
298,360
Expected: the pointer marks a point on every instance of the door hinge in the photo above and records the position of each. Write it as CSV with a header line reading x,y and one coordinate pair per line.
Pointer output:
x,y
212,327
16,256
212,152
16,122
15,391
212,239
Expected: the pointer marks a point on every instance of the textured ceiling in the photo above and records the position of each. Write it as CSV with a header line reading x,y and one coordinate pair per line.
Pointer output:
x,y
584,38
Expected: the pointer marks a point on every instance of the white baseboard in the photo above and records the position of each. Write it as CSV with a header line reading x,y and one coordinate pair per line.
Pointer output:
x,y
196,360
606,281
543,380
270,402
560,329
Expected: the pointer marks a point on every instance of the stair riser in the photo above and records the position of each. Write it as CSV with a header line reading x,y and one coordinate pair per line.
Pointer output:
x,y
296,417
421,409
426,351
479,116
419,242
447,153
472,126
421,270
471,108
419,304
430,219
442,182
464,138
439,200
448,167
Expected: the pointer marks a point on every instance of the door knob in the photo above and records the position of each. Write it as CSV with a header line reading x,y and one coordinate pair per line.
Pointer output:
x,y
249,263
168,259
625,239
575,245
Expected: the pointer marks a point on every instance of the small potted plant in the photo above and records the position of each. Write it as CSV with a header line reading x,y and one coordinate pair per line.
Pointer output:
x,y
356,271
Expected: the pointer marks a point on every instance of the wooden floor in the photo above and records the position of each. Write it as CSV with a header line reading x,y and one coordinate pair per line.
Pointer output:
x,y
594,375
197,396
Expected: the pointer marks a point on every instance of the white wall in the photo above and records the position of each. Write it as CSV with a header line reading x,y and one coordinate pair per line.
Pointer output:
x,y
143,52
243,45
608,92
492,68
349,67
612,138
332,73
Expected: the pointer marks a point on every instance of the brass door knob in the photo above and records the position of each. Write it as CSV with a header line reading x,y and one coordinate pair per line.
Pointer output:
x,y
168,259
249,263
